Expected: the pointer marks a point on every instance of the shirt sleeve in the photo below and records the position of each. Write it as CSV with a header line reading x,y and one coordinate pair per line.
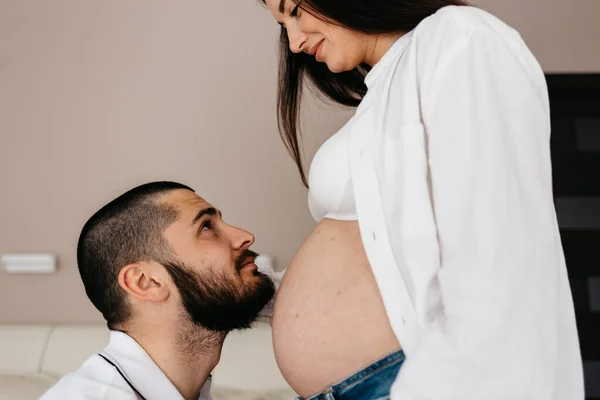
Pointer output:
x,y
487,127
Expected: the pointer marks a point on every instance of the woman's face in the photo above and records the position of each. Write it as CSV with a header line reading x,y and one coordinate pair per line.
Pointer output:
x,y
340,48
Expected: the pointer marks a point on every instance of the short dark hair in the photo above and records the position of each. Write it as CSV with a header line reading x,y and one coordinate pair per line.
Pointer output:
x,y
125,231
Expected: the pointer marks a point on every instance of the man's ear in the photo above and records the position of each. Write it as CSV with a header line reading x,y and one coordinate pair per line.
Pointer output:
x,y
145,281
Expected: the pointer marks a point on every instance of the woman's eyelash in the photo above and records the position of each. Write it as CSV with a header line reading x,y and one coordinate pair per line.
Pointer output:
x,y
294,12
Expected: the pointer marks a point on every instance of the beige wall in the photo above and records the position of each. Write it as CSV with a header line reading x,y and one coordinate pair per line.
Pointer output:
x,y
96,97
563,34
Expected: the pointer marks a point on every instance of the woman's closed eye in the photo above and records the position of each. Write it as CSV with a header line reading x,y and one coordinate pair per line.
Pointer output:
x,y
294,12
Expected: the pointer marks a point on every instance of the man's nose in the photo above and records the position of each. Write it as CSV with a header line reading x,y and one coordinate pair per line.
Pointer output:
x,y
240,238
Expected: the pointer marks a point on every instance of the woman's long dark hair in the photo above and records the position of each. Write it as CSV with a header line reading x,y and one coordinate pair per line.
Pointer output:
x,y
346,88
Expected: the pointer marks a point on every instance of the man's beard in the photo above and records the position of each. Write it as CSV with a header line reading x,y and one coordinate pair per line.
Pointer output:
x,y
218,302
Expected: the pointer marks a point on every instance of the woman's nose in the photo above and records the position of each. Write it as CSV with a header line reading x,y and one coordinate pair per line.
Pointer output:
x,y
297,40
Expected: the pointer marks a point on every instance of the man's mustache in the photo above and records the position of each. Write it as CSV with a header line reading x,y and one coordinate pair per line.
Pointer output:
x,y
243,257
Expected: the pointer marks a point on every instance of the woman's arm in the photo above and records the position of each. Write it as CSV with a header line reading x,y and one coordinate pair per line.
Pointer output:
x,y
487,125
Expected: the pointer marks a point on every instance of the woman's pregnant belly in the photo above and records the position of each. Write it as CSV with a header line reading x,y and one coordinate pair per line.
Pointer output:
x,y
329,320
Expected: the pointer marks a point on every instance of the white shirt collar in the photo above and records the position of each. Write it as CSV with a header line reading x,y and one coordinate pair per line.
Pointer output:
x,y
142,371
393,53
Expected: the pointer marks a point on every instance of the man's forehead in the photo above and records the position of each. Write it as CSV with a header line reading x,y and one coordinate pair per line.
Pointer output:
x,y
185,201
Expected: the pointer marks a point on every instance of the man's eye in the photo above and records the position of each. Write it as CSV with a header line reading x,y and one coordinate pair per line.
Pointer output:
x,y
206,226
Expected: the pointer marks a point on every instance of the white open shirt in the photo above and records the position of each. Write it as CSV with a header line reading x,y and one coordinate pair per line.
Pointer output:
x,y
451,169
98,380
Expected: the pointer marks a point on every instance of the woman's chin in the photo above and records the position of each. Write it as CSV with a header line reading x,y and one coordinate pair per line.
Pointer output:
x,y
337,67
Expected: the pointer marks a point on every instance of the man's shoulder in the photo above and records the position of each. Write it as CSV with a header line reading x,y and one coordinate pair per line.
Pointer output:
x,y
94,380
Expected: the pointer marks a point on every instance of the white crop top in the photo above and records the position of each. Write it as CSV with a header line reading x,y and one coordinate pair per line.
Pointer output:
x,y
330,181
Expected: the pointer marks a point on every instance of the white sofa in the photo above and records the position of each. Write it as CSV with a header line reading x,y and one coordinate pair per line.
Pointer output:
x,y
33,357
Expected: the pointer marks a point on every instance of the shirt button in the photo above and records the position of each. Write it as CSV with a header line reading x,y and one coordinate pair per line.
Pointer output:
x,y
374,237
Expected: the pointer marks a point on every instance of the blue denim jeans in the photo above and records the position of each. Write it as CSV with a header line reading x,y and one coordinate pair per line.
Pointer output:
x,y
371,383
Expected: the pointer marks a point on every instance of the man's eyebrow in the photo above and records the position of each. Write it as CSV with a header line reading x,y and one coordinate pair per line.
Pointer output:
x,y
281,6
206,211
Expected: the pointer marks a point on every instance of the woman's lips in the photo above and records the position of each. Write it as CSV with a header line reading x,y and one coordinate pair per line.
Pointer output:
x,y
318,51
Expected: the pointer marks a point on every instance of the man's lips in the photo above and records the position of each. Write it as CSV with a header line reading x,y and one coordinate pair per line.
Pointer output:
x,y
246,259
249,263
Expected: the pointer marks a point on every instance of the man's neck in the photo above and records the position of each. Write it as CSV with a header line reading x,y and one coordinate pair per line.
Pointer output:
x,y
186,359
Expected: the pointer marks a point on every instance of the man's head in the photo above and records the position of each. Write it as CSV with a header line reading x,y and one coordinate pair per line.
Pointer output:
x,y
159,249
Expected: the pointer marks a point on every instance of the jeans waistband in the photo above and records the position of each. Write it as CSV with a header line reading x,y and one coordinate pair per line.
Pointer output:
x,y
360,376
